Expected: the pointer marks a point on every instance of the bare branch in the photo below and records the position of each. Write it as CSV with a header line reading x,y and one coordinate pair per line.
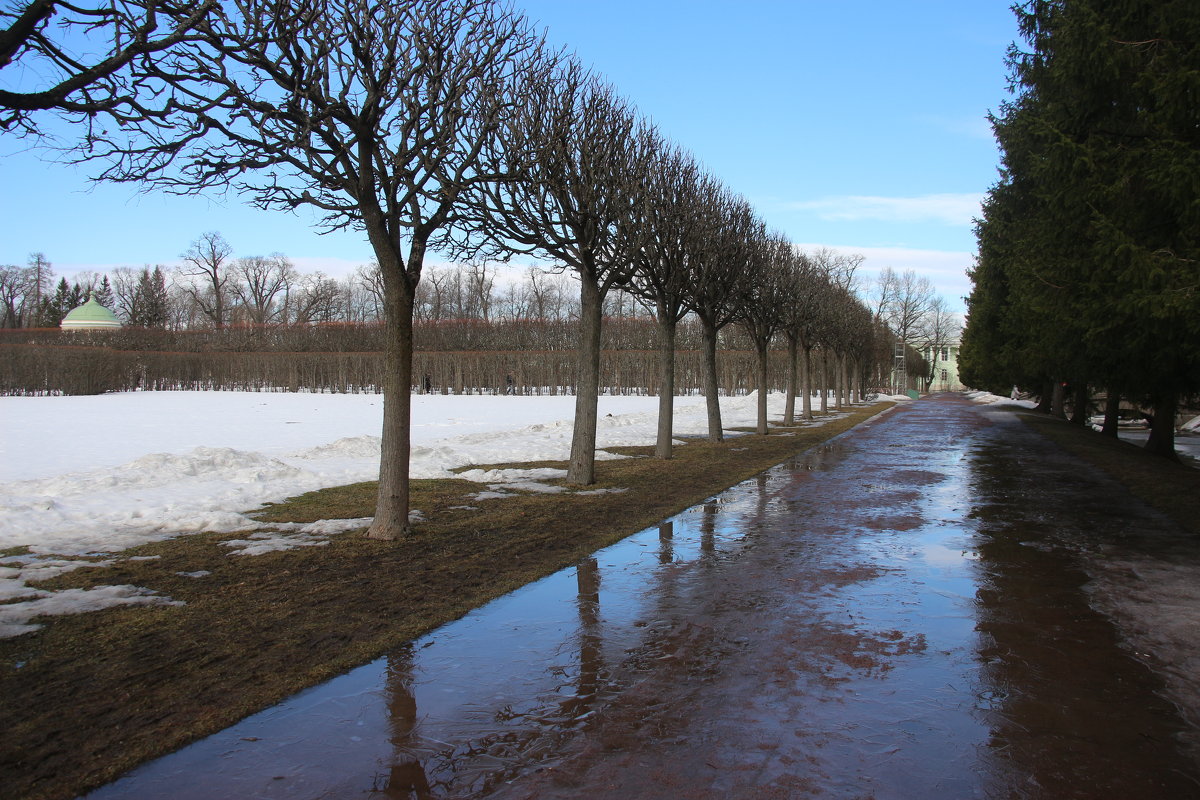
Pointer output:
x,y
83,83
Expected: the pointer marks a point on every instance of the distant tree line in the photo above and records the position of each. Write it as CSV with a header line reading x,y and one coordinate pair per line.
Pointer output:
x,y
534,352
27,299
1088,276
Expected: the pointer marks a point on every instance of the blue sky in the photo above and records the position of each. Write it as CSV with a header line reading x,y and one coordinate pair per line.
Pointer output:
x,y
858,125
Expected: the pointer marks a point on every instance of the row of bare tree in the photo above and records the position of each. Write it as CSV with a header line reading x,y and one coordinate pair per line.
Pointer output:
x,y
450,126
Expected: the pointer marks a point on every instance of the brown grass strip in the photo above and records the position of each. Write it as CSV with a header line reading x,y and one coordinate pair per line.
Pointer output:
x,y
1173,488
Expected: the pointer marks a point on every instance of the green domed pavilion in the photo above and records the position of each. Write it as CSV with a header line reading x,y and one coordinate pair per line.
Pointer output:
x,y
89,316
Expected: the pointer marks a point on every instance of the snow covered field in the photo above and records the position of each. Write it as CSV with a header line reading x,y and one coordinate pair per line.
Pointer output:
x,y
100,474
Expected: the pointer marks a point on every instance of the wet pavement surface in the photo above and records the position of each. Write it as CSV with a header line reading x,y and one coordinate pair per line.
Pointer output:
x,y
938,604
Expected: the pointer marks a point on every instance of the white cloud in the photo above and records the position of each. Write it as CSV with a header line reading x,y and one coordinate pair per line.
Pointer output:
x,y
947,209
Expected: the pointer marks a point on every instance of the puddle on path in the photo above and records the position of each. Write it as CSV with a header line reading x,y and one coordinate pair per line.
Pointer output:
x,y
887,616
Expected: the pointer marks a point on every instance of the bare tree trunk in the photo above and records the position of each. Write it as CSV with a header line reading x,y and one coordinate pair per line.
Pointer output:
x,y
1112,414
391,508
1056,400
1079,406
582,469
824,381
835,380
1162,428
843,381
789,406
761,348
806,381
1045,402
709,367
666,391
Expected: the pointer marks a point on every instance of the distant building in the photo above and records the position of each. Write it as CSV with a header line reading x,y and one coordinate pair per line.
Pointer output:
x,y
945,368
89,316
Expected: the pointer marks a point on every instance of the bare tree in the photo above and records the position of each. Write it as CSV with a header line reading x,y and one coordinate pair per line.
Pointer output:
x,y
761,300
316,298
125,286
583,155
367,293
16,291
831,328
377,115
841,269
884,291
514,302
183,313
261,286
89,82
836,337
432,295
206,267
940,330
808,289
547,295
673,231
911,298
480,287
717,269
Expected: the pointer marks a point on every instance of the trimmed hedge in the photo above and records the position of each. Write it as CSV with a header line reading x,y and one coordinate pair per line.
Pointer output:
x,y
73,370
457,356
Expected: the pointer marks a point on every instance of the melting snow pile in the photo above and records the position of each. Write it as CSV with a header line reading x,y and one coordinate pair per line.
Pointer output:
x,y
987,398
15,617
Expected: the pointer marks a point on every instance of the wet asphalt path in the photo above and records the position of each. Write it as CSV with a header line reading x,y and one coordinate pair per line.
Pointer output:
x,y
909,611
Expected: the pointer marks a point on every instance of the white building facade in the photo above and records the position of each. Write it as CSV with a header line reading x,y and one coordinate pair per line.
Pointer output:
x,y
945,367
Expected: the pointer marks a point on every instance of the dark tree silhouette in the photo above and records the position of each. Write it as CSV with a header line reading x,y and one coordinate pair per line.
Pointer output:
x,y
70,76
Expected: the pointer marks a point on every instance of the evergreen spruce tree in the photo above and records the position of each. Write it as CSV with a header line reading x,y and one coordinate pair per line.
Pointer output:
x,y
149,304
76,298
158,303
1102,149
103,294
55,306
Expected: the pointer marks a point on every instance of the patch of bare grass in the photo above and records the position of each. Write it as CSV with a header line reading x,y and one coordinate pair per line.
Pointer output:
x,y
90,696
1171,487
